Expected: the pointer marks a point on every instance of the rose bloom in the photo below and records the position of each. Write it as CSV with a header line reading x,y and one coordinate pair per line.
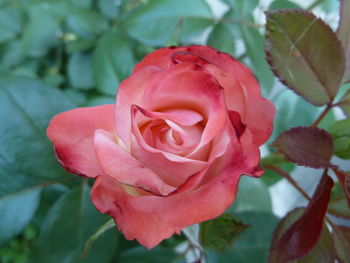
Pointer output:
x,y
186,125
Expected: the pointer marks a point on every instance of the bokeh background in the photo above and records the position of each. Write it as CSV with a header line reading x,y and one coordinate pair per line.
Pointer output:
x,y
57,55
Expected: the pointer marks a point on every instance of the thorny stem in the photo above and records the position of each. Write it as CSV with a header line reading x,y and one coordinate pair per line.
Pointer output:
x,y
322,115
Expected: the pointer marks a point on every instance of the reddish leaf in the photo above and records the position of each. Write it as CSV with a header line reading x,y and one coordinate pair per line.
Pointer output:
x,y
344,179
344,34
305,54
307,146
342,243
302,236
323,252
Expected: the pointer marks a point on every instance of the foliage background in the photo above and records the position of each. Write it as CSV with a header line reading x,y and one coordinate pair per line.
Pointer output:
x,y
57,55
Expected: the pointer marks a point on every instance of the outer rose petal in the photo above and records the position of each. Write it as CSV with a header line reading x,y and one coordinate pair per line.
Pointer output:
x,y
191,207
109,197
72,133
119,164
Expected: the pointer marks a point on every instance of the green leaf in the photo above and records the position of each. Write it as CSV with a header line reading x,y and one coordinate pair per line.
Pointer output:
x,y
68,225
305,54
26,155
80,45
10,23
243,8
142,255
342,242
153,21
221,38
219,233
344,103
282,4
16,211
338,205
308,146
109,8
80,71
11,55
340,132
113,62
40,33
254,43
253,244
246,201
344,34
86,23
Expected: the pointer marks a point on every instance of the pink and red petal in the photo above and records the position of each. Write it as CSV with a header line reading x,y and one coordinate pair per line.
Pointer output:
x,y
109,197
72,134
119,164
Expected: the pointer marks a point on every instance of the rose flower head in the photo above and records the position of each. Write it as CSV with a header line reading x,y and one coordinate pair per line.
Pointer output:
x,y
186,125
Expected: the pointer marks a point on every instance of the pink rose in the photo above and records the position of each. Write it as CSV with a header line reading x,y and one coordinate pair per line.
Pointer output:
x,y
186,125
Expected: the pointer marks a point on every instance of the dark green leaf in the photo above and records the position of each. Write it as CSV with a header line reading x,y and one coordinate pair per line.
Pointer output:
x,y
243,8
40,34
80,71
153,21
26,155
305,54
86,23
253,244
308,146
220,38
344,34
254,43
246,201
142,255
283,4
219,233
11,55
68,225
113,62
10,23
80,45
16,211
109,8
338,205
340,132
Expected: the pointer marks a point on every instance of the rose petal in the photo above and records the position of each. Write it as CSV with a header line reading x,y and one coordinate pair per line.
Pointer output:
x,y
109,197
130,92
242,91
191,207
72,134
188,86
173,169
120,165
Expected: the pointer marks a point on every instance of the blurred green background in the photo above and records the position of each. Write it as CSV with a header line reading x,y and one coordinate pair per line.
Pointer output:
x,y
57,55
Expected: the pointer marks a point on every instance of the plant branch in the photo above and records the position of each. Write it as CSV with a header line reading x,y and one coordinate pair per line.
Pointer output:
x,y
322,115
286,175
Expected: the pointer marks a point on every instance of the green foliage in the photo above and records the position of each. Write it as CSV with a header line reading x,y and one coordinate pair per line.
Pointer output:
x,y
56,55
305,54
218,234
340,132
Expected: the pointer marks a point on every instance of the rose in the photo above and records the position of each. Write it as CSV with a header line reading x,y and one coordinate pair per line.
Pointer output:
x,y
186,125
